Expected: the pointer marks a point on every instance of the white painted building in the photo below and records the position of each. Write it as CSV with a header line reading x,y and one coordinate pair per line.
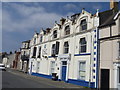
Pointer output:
x,y
68,49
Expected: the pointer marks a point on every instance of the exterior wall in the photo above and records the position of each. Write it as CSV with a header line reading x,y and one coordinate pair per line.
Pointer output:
x,y
8,60
73,57
109,50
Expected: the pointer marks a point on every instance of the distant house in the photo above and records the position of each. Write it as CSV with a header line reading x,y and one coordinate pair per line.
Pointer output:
x,y
8,60
16,60
24,58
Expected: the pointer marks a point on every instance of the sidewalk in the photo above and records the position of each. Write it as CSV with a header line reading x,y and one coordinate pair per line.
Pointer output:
x,y
57,84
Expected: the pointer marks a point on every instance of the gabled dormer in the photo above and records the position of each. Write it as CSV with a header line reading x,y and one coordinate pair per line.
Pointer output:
x,y
84,21
55,31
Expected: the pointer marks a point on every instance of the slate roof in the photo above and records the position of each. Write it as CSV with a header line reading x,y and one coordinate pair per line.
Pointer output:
x,y
107,18
26,41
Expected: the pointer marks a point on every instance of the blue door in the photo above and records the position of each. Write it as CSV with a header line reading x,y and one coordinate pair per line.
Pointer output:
x,y
64,73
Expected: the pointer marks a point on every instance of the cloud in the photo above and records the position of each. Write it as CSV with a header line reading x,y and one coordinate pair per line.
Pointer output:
x,y
28,18
70,6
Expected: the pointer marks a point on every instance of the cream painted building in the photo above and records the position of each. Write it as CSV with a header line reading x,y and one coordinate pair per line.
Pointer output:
x,y
109,56
68,49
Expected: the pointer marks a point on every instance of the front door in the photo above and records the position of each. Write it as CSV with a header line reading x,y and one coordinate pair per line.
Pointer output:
x,y
64,69
118,78
105,78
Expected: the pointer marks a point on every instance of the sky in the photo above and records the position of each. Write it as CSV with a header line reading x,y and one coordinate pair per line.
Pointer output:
x,y
21,19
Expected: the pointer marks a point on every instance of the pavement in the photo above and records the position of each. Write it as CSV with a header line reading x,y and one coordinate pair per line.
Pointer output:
x,y
16,79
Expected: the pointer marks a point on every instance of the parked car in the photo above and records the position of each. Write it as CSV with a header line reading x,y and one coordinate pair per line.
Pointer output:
x,y
2,67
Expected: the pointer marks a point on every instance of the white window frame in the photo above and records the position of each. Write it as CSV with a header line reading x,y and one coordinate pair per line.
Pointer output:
x,y
66,47
83,25
82,45
80,77
67,30
118,49
52,68
53,49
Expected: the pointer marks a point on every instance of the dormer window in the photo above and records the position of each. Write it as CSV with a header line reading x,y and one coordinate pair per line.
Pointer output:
x,y
83,24
55,34
25,45
67,30
34,40
41,37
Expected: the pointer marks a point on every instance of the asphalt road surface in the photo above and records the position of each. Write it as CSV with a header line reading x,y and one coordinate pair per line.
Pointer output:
x,y
10,80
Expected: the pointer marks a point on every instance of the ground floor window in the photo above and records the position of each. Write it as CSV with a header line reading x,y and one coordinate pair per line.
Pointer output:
x,y
82,66
52,67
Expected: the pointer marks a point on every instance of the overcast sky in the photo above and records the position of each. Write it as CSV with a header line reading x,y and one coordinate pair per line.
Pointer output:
x,y
21,19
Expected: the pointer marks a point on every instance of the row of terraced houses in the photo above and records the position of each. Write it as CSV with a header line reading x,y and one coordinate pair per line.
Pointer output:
x,y
83,49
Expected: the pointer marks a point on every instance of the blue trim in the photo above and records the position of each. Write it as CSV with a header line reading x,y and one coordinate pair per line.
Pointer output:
x,y
94,65
94,59
42,75
94,30
93,70
82,83
82,54
94,77
94,53
95,41
52,56
95,47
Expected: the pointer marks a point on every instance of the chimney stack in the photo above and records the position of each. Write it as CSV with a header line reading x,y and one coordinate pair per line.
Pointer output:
x,y
114,5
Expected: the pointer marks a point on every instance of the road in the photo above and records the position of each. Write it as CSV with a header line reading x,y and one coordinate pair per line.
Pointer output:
x,y
10,80
16,79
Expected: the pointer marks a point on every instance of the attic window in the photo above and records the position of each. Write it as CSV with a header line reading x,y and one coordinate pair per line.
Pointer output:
x,y
67,30
83,24
34,40
55,34
41,37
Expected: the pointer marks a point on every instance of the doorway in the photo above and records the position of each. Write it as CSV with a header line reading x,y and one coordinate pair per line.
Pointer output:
x,y
64,69
105,74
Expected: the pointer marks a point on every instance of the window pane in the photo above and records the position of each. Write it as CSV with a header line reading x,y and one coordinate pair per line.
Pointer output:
x,y
119,48
82,45
66,47
83,24
64,62
82,70
67,30
119,74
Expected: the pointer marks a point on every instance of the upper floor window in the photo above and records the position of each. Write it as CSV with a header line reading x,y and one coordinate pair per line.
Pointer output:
x,y
53,49
34,40
39,54
55,34
66,47
34,51
41,37
67,30
83,45
83,24
119,49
